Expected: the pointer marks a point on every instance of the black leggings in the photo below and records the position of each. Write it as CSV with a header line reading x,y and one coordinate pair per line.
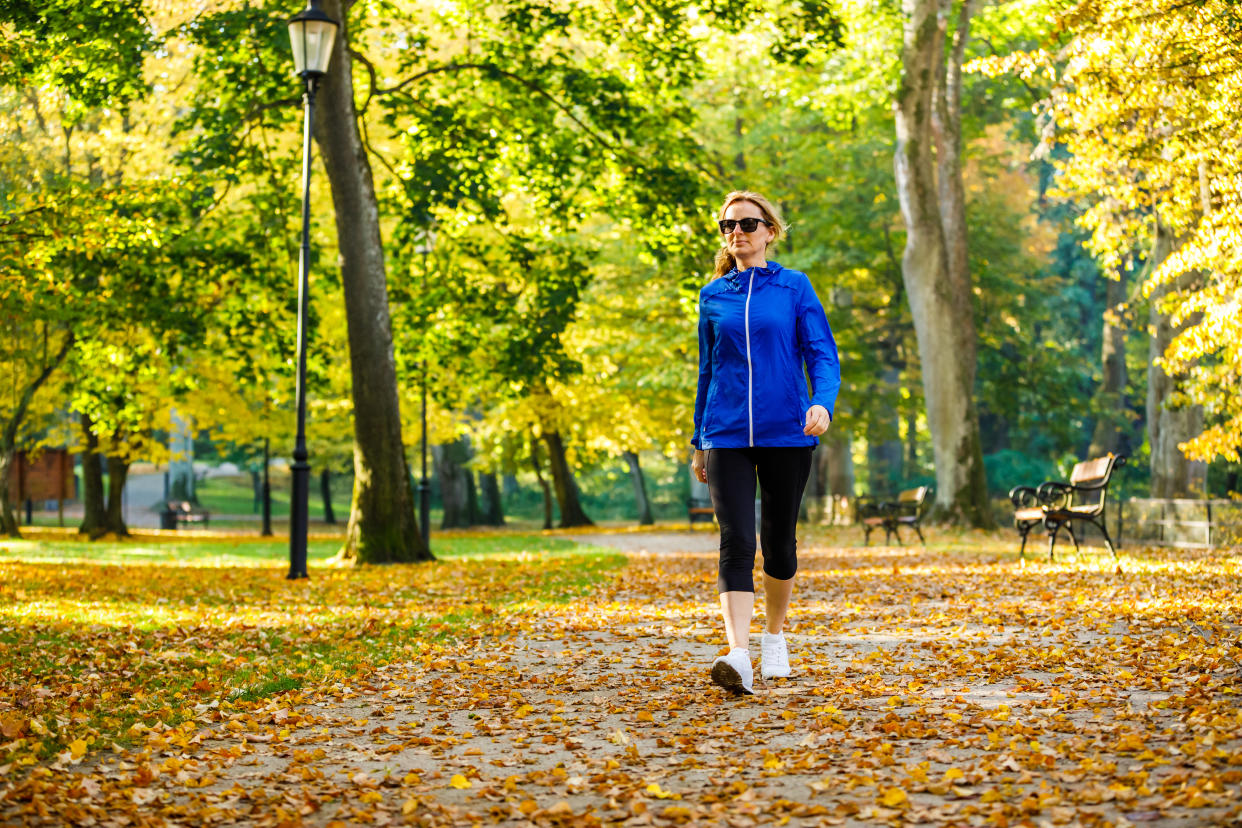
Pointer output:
x,y
782,473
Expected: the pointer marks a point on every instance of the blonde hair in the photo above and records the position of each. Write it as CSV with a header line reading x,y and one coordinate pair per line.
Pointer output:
x,y
724,259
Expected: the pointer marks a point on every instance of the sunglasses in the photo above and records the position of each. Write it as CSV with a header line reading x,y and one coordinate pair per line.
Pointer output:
x,y
749,225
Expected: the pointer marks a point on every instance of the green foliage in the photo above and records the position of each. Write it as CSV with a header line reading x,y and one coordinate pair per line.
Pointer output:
x,y
94,51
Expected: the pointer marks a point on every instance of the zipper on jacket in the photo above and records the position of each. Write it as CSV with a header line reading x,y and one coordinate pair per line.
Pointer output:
x,y
750,368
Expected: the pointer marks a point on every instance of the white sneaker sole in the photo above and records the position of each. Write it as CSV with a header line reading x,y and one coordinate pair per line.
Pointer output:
x,y
725,676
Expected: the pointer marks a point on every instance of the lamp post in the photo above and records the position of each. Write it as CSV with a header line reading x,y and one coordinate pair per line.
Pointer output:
x,y
425,246
311,34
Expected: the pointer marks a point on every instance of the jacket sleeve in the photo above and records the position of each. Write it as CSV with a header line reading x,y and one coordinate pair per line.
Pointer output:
x,y
705,375
819,350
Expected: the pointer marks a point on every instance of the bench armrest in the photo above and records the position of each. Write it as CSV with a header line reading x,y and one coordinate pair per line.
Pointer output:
x,y
1023,497
865,507
1054,494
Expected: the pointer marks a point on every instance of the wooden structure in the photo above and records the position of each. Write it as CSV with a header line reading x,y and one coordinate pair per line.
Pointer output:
x,y
1055,505
700,510
46,476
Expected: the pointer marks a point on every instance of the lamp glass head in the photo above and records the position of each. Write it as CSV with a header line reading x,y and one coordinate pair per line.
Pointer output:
x,y
312,33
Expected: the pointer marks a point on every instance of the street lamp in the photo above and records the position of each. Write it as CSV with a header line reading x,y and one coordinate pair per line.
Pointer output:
x,y
311,33
426,244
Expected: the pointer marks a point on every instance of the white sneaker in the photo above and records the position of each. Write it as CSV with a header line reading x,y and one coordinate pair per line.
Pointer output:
x,y
775,661
734,673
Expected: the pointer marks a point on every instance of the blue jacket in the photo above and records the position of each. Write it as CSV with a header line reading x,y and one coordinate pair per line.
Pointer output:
x,y
756,329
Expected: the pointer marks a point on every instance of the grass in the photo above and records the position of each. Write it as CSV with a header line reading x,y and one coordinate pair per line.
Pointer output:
x,y
235,496
103,642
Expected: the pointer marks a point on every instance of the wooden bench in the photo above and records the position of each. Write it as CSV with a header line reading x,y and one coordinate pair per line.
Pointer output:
x,y
1056,504
184,512
700,511
890,515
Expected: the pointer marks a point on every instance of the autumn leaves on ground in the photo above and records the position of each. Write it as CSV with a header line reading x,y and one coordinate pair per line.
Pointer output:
x,y
537,679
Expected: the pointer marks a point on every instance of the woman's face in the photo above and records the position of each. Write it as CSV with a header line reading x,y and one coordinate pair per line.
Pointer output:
x,y
744,245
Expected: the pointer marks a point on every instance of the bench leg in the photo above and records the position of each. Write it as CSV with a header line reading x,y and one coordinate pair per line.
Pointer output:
x,y
866,535
1052,539
1024,529
1070,528
897,535
919,532
1107,540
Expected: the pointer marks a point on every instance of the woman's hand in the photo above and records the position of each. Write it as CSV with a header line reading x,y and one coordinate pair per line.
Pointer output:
x,y
817,421
699,465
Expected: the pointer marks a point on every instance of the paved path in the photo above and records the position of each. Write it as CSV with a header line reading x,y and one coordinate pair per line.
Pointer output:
x,y
929,689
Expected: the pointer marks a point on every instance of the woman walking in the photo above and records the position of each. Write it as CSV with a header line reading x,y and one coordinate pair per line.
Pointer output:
x,y
759,323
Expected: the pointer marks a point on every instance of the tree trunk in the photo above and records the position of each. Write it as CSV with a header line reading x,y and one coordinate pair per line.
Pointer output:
x,y
8,521
645,517
543,484
94,511
492,510
456,483
812,509
1172,474
884,448
839,460
8,437
563,483
1112,407
934,261
383,527
325,491
114,518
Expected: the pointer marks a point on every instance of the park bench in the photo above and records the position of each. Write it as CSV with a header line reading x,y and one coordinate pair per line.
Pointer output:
x,y
889,515
700,511
1057,504
182,513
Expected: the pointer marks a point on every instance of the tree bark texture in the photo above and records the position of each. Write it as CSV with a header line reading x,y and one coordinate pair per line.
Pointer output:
x,y
934,261
645,517
383,527
563,483
94,510
812,509
543,483
839,463
457,492
114,517
1111,433
8,437
8,520
325,491
1172,474
884,448
491,508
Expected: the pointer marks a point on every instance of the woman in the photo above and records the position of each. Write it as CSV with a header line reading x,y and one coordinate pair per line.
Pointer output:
x,y
758,324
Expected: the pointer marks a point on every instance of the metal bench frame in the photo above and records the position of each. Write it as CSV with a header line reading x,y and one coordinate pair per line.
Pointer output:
x,y
187,513
907,510
1056,504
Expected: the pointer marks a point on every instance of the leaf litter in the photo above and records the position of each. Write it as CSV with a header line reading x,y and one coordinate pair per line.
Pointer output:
x,y
930,688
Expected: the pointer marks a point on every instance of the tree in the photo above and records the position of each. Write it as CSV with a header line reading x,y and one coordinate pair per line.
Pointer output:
x,y
1144,101
935,262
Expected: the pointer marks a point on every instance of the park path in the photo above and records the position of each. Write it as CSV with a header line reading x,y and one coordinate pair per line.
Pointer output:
x,y
930,688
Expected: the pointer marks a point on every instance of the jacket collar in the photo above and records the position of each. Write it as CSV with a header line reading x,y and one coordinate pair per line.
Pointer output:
x,y
737,278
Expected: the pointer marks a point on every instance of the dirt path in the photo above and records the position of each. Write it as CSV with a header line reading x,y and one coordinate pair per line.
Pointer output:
x,y
929,689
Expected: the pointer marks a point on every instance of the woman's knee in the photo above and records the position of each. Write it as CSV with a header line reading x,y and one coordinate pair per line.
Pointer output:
x,y
781,568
